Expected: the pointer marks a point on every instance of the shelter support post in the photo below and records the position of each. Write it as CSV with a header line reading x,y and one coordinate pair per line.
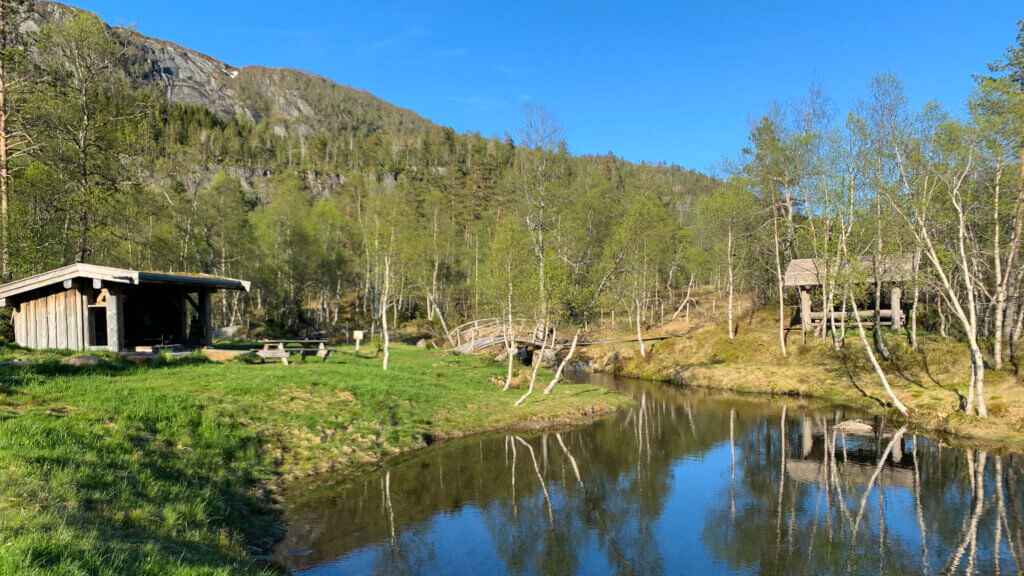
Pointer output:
x,y
115,319
896,304
805,308
205,309
181,302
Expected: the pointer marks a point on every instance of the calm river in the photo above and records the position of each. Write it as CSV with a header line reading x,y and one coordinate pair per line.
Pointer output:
x,y
688,482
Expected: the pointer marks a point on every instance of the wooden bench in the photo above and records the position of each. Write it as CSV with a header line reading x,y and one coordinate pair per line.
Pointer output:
x,y
273,354
278,350
322,352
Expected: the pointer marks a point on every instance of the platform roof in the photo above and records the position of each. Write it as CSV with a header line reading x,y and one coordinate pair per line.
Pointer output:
x,y
119,276
806,272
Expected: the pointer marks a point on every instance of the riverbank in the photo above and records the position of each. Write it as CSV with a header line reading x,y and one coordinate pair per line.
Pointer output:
x,y
929,380
175,467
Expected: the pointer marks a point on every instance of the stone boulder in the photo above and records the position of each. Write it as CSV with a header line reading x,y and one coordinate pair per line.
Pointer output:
x,y
857,427
220,355
84,361
227,332
421,343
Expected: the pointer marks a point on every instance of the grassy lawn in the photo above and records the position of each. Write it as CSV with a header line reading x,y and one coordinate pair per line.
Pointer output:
x,y
173,468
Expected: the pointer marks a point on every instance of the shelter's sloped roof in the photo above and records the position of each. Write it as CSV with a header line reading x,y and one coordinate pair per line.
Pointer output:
x,y
118,275
891,268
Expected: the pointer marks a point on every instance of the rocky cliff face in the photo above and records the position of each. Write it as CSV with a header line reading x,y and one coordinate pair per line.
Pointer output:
x,y
190,77
290,99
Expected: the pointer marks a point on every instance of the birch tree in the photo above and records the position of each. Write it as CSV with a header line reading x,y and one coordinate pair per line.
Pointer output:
x,y
539,165
768,173
997,108
586,258
85,110
728,213
642,238
510,283
13,140
935,158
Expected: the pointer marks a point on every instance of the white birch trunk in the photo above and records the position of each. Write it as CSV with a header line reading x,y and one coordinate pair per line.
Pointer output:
x,y
874,361
732,333
385,294
510,339
561,366
536,366
781,283
639,334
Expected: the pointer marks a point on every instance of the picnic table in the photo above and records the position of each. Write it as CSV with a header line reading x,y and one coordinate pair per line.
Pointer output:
x,y
280,350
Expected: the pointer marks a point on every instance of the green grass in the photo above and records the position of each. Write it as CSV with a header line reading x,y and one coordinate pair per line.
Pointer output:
x,y
173,468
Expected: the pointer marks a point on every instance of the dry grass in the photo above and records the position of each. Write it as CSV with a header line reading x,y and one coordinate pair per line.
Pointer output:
x,y
929,380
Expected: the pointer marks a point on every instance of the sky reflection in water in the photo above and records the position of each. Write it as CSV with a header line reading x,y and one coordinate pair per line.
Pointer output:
x,y
687,482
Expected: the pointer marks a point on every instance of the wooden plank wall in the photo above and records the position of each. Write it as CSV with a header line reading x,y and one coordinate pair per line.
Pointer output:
x,y
19,325
55,320
39,322
30,324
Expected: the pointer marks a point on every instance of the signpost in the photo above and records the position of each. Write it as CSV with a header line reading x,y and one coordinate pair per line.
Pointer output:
x,y
357,335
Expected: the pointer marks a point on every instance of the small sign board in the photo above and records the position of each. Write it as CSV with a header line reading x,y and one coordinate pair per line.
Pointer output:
x,y
357,335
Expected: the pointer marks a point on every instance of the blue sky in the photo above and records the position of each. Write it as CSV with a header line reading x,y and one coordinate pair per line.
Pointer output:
x,y
656,81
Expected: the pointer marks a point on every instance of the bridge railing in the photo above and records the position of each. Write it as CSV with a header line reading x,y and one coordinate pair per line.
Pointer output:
x,y
495,327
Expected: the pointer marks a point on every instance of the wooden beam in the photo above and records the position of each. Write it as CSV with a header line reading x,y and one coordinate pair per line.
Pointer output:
x,y
864,314
73,304
205,310
19,327
30,323
39,322
115,320
85,324
88,323
97,283
68,284
896,305
51,321
60,314
805,308
182,318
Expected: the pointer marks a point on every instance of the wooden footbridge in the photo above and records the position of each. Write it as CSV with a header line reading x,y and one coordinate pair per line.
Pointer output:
x,y
482,334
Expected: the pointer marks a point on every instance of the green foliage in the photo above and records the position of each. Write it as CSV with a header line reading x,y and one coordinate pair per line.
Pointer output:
x,y
299,190
642,245
509,276
168,469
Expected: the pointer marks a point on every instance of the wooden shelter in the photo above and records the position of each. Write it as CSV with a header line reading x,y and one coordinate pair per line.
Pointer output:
x,y
89,307
809,274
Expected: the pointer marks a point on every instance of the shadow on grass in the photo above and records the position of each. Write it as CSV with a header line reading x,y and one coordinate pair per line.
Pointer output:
x,y
227,499
678,376
960,398
13,377
899,371
170,489
845,368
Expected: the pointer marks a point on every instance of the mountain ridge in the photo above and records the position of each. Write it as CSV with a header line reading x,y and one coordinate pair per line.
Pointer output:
x,y
188,76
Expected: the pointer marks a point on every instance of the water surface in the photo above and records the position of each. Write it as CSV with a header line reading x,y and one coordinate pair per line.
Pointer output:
x,y
687,482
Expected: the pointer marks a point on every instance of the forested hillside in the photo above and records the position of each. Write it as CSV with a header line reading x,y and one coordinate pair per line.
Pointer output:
x,y
342,209
127,150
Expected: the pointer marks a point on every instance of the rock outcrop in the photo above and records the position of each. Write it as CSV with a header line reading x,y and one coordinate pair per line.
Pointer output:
x,y
293,101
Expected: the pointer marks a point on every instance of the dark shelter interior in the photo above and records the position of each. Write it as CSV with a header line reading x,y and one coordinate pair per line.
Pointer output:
x,y
163,316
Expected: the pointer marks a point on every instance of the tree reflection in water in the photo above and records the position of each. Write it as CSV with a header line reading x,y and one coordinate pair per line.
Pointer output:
x,y
686,481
